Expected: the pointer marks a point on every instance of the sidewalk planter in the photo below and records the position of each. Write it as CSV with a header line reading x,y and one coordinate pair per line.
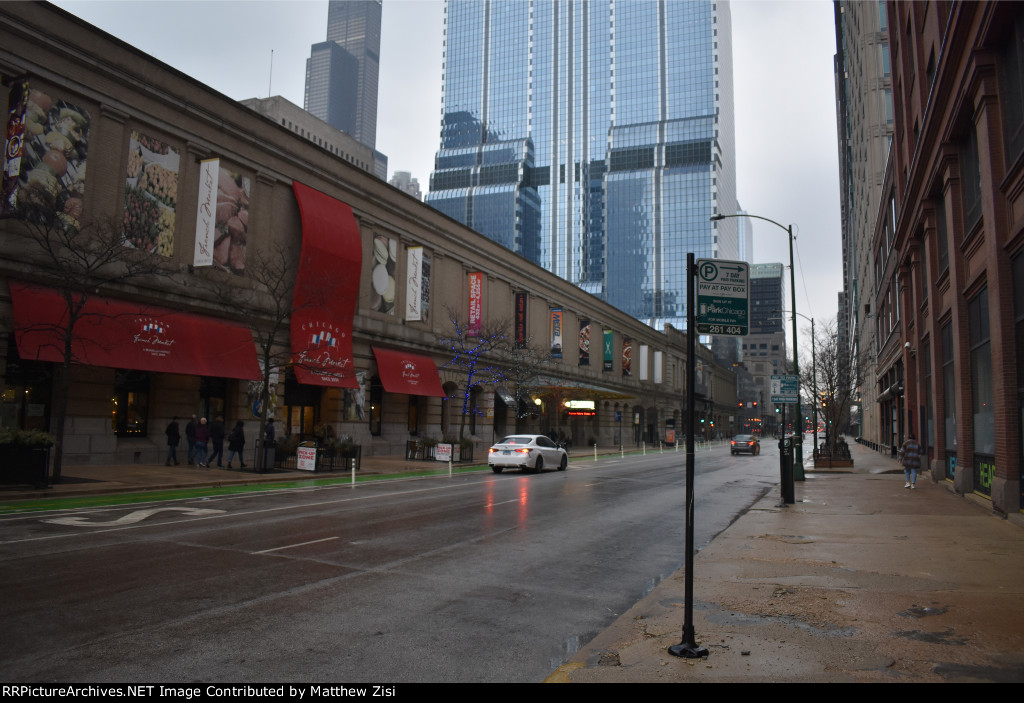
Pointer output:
x,y
339,458
841,458
420,450
25,457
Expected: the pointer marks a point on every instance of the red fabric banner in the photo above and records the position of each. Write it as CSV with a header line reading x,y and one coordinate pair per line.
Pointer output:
x,y
412,374
326,291
124,335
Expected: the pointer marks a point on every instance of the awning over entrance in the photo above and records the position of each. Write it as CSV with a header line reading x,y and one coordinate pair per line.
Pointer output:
x,y
575,389
326,291
125,335
412,374
505,396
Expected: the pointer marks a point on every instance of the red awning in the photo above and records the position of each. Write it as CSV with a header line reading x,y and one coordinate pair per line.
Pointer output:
x,y
412,374
124,335
326,291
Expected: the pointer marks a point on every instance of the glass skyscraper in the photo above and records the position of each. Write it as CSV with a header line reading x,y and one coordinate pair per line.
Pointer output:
x,y
595,138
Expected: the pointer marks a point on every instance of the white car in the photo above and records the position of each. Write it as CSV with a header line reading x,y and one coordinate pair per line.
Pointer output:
x,y
527,452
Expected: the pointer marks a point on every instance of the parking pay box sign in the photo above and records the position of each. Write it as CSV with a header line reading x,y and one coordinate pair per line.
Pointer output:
x,y
723,306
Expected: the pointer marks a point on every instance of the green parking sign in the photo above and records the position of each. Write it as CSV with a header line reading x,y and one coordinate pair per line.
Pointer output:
x,y
723,305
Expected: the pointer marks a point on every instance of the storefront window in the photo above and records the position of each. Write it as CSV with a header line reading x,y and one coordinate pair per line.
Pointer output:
x,y
948,399
376,403
929,431
25,402
130,403
984,424
414,414
942,237
474,408
213,393
302,407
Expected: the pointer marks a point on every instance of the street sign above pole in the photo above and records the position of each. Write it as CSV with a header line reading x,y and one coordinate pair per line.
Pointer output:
x,y
723,305
785,388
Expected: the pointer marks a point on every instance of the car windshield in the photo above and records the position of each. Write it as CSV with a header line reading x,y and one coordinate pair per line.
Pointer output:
x,y
517,440
742,438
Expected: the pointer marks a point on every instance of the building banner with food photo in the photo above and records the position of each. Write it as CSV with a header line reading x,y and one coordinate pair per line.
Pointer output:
x,y
14,146
150,195
425,287
222,217
556,333
584,342
609,350
46,144
627,356
382,274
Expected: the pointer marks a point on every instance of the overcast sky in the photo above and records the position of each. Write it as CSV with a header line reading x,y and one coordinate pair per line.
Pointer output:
x,y
787,165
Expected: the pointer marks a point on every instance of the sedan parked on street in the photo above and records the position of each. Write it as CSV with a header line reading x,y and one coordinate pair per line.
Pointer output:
x,y
529,452
745,443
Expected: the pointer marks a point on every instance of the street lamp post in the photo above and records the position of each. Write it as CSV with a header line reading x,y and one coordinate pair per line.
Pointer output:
x,y
799,463
814,383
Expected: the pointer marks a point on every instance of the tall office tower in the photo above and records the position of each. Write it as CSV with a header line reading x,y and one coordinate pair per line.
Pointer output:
x,y
744,237
865,126
764,349
342,72
404,181
595,138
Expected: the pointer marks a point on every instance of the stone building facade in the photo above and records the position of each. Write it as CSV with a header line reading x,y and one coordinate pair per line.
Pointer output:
x,y
161,148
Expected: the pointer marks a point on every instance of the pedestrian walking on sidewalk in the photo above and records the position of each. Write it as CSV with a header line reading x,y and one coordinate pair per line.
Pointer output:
x,y
236,444
217,433
173,437
910,458
202,437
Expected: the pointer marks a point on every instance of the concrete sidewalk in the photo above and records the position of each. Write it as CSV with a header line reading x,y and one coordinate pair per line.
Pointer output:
x,y
860,581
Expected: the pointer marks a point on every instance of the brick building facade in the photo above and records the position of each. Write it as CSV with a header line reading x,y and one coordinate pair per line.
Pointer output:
x,y
948,254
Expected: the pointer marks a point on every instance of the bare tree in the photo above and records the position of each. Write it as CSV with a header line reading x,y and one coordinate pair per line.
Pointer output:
x,y
523,364
473,355
80,261
263,299
838,376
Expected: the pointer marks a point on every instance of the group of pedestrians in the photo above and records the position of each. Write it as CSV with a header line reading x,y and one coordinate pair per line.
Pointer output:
x,y
200,435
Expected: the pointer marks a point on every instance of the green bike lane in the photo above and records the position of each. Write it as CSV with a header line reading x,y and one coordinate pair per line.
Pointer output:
x,y
112,485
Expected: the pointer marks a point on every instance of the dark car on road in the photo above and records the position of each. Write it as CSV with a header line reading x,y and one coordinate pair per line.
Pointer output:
x,y
745,443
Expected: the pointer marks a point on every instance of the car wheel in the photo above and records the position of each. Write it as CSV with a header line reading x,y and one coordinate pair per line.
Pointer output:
x,y
564,463
540,465
496,469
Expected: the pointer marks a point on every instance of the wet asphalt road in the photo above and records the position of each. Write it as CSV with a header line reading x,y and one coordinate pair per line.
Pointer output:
x,y
475,578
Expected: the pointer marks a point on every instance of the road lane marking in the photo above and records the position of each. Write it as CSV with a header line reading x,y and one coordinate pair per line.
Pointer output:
x,y
115,527
292,546
129,519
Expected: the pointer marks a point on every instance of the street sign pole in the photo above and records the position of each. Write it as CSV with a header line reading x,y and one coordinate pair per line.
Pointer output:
x,y
786,389
688,647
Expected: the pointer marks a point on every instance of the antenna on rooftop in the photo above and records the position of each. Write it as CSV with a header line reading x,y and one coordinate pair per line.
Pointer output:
x,y
270,80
